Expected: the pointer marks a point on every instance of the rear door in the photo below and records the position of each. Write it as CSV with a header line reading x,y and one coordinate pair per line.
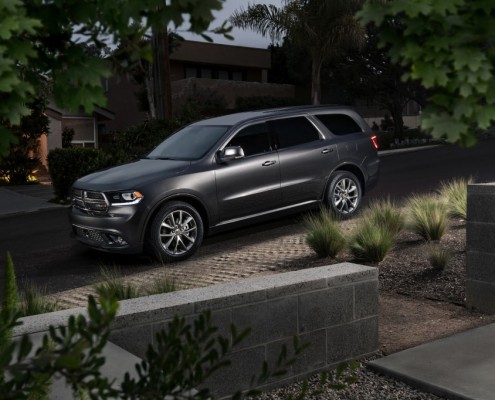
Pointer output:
x,y
306,159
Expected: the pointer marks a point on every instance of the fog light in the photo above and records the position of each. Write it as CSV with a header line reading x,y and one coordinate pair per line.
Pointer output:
x,y
116,239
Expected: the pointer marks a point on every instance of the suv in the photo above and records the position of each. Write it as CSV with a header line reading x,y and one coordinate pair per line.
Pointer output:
x,y
222,172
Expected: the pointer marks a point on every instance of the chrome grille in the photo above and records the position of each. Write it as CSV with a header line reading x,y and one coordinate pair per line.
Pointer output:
x,y
89,201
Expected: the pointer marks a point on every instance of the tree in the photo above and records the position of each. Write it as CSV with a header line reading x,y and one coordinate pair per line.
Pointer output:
x,y
42,39
370,74
325,27
449,48
22,160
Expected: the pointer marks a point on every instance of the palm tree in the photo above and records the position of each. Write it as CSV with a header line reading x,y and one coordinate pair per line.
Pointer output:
x,y
325,27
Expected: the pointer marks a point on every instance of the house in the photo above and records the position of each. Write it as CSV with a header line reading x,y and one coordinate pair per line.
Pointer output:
x,y
87,128
196,67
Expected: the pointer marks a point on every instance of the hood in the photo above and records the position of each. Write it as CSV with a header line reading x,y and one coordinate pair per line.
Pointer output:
x,y
132,175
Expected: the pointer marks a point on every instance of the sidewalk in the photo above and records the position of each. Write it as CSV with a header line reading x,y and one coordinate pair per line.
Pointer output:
x,y
25,199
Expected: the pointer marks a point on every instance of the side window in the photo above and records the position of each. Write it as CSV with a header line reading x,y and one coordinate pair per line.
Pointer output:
x,y
254,139
293,131
339,124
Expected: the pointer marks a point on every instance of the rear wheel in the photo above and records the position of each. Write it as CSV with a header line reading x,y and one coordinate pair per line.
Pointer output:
x,y
176,232
344,194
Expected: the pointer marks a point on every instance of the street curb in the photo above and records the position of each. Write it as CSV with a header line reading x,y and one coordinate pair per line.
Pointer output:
x,y
385,153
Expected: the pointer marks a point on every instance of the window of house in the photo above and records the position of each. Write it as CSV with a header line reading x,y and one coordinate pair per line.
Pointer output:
x,y
191,72
237,76
339,124
254,139
84,130
222,74
293,131
206,73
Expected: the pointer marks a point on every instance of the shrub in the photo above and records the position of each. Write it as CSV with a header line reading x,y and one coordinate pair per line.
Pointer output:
x,y
454,193
428,217
324,234
437,256
386,213
67,165
371,243
10,300
113,286
34,301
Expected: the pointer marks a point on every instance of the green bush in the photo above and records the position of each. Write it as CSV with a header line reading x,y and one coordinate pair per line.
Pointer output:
x,y
428,217
163,285
67,165
386,213
371,243
324,234
454,194
437,256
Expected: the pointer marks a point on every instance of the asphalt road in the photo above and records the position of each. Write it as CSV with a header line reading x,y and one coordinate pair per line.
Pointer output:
x,y
44,253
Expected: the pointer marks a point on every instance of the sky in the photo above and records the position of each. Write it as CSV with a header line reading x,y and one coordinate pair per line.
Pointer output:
x,y
241,37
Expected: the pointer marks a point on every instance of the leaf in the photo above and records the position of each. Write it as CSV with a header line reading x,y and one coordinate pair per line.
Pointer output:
x,y
443,124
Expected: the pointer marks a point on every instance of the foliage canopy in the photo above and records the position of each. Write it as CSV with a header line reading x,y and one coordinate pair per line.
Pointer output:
x,y
42,40
448,46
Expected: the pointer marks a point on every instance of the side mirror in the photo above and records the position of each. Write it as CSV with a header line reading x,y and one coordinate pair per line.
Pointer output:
x,y
230,153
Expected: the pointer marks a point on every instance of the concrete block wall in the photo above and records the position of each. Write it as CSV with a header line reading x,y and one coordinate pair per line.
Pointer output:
x,y
480,247
335,308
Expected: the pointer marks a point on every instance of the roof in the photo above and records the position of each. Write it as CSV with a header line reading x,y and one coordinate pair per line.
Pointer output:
x,y
221,54
233,119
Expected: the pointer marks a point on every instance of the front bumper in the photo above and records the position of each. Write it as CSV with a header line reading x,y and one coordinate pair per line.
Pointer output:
x,y
118,231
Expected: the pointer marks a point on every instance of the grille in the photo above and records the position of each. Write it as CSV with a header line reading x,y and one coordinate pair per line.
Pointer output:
x,y
90,234
90,202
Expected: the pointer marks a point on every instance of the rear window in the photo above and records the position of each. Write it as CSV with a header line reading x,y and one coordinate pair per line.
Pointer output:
x,y
339,124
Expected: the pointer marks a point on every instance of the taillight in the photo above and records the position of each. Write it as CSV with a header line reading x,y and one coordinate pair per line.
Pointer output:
x,y
374,140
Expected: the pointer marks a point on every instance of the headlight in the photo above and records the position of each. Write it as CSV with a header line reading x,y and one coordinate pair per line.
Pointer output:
x,y
125,198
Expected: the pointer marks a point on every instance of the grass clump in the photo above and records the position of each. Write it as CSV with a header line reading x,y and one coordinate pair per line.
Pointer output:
x,y
324,234
428,217
385,213
438,256
163,285
371,243
113,285
34,301
454,194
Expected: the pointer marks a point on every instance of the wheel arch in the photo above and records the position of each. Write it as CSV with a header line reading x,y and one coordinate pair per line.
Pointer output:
x,y
352,168
191,200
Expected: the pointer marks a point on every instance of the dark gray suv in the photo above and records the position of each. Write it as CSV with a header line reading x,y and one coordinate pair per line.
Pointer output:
x,y
222,172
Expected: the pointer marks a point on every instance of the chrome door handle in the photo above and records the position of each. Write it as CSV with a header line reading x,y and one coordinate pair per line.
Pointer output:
x,y
268,163
325,151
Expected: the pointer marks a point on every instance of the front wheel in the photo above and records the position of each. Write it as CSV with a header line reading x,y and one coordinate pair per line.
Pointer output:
x,y
176,232
344,194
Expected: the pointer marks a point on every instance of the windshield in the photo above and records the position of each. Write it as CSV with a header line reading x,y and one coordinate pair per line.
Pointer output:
x,y
190,143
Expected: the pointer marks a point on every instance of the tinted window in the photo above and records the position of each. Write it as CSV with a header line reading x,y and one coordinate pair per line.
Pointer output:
x,y
190,143
293,131
254,140
339,124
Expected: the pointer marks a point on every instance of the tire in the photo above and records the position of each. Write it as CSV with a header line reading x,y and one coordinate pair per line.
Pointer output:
x,y
176,232
344,194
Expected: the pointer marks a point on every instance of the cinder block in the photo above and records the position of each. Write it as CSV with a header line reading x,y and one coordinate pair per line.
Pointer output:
x,y
480,237
481,206
324,308
245,365
269,321
480,296
133,339
352,340
347,273
311,358
365,299
480,266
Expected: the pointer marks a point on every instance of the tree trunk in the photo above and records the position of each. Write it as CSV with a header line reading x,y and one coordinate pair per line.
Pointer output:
x,y
161,61
150,90
316,79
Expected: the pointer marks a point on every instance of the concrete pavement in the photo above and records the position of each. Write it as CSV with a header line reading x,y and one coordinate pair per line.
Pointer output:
x,y
26,199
